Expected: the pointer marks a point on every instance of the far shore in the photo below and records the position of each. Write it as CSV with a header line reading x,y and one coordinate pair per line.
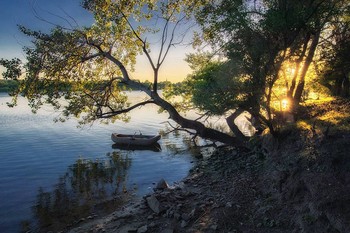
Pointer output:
x,y
7,86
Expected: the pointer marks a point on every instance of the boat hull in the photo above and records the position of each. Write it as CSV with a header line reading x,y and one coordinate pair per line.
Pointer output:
x,y
136,140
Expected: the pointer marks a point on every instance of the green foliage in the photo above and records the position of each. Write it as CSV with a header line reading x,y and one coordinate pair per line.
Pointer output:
x,y
198,61
13,68
180,95
87,67
216,88
259,38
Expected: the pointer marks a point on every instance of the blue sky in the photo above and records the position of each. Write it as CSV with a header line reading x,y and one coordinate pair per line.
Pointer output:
x,y
26,12
29,12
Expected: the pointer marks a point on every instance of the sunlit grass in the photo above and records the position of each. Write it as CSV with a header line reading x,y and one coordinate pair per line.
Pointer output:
x,y
304,125
335,117
319,101
327,112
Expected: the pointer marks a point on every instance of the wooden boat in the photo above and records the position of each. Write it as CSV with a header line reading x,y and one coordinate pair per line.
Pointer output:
x,y
135,140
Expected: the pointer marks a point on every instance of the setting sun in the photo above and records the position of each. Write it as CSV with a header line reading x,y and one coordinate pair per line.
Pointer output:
x,y
285,105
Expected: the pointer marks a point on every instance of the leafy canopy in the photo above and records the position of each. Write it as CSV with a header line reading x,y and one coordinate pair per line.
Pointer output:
x,y
259,37
91,59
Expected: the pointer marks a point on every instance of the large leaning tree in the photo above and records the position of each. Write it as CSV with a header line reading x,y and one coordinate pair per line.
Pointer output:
x,y
87,66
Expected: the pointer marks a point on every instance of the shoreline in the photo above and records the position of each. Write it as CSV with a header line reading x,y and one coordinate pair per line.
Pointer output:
x,y
167,209
276,189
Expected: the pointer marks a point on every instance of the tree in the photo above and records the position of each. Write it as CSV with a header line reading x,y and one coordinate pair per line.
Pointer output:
x,y
334,65
107,51
214,88
262,36
316,33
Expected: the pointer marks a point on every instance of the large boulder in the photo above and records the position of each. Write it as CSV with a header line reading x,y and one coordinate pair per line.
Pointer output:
x,y
154,204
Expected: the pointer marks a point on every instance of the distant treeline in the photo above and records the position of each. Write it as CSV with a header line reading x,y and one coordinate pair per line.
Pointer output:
x,y
9,85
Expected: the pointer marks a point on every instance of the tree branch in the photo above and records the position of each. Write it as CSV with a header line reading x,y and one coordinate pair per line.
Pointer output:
x,y
134,84
84,59
144,44
118,112
161,60
179,128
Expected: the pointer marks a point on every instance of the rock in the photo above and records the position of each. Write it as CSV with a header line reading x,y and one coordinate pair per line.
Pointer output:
x,y
142,229
162,184
123,215
179,197
229,204
154,204
152,224
177,216
128,229
167,231
194,213
169,213
185,217
214,227
183,224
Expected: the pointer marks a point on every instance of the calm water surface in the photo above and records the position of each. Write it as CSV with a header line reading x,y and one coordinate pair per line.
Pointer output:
x,y
48,168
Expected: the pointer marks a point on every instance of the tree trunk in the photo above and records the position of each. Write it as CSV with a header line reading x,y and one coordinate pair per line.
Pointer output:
x,y
297,67
230,122
346,86
300,87
200,128
338,85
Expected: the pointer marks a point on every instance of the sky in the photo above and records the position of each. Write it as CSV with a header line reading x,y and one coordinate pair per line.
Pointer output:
x,y
30,13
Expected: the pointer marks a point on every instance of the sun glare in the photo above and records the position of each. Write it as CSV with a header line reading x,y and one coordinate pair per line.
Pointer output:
x,y
290,71
284,105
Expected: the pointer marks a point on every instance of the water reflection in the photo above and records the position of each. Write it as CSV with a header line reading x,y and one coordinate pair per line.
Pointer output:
x,y
88,188
51,148
98,187
154,147
176,142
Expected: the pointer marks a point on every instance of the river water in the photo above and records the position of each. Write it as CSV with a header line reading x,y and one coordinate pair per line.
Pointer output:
x,y
51,171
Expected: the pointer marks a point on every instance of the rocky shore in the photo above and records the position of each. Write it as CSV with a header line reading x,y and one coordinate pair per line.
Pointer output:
x,y
193,205
297,183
